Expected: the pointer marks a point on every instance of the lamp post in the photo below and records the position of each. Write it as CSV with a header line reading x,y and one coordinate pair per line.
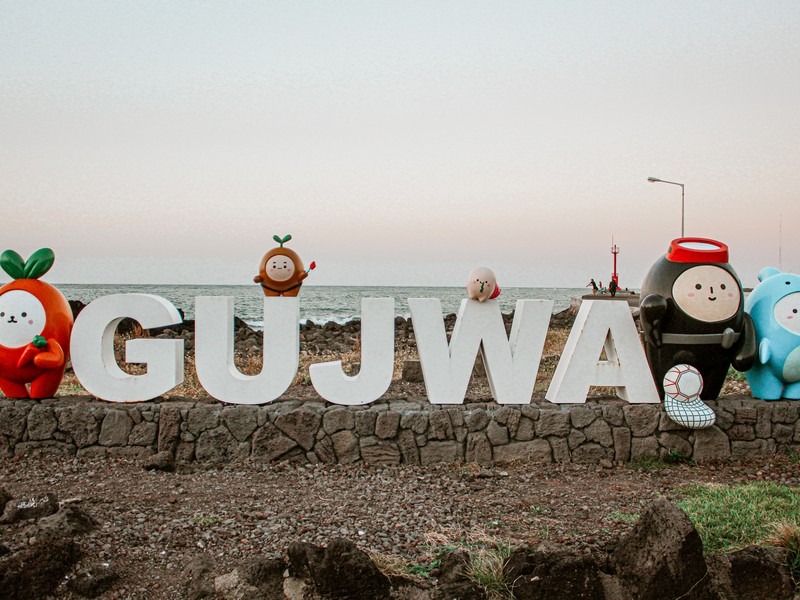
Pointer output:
x,y
656,180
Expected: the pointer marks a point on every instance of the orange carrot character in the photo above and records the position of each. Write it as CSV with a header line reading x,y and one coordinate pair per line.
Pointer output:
x,y
35,326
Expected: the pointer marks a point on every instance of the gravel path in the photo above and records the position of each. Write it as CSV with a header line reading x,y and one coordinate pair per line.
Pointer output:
x,y
151,524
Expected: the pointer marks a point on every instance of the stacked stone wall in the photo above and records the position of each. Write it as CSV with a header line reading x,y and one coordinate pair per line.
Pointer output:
x,y
392,432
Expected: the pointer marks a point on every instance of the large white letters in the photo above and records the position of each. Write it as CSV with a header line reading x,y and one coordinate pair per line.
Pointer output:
x,y
95,364
511,365
603,325
377,360
511,362
214,350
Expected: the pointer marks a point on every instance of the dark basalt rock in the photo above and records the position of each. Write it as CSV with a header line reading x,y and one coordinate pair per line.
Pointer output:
x,y
339,571
752,573
199,582
92,582
38,570
34,507
662,557
453,579
549,572
69,521
160,461
264,574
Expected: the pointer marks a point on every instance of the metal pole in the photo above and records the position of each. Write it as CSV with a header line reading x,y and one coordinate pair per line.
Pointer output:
x,y
682,213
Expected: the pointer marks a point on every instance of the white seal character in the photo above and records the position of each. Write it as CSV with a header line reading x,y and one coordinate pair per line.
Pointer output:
x,y
482,285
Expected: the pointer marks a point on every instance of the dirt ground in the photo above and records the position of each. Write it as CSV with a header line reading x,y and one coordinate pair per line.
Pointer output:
x,y
150,525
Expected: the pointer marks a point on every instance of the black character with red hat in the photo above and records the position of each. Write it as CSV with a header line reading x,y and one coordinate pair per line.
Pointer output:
x,y
692,312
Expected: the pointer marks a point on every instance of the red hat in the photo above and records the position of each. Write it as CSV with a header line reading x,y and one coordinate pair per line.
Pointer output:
x,y
697,250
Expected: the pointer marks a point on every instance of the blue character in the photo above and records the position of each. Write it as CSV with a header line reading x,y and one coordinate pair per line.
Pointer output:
x,y
774,306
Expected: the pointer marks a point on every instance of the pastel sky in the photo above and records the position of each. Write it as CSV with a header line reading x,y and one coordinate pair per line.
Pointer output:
x,y
400,143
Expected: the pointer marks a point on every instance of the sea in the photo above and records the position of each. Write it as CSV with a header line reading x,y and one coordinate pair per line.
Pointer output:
x,y
319,304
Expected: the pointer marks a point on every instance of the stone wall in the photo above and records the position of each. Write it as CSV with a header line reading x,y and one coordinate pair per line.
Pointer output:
x,y
393,431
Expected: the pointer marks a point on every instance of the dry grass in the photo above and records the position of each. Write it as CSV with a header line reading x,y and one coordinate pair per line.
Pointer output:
x,y
786,535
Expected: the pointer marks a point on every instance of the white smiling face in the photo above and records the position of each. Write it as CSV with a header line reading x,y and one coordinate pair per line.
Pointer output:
x,y
707,293
22,317
787,312
280,268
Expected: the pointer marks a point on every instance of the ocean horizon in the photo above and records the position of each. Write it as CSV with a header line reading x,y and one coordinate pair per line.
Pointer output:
x,y
319,304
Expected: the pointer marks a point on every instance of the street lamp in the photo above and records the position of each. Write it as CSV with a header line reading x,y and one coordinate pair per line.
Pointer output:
x,y
655,180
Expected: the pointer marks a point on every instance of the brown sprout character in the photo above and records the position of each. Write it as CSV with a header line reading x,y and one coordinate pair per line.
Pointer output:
x,y
281,271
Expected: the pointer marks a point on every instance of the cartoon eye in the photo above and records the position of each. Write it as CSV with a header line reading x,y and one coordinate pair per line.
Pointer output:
x,y
788,283
794,310
24,314
698,286
2,314
722,286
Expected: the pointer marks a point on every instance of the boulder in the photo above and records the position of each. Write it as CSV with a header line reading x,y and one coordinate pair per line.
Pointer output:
x,y
115,428
662,556
753,573
386,424
760,573
302,556
160,461
264,575
550,572
256,578
37,571
270,444
69,521
13,421
339,571
454,581
412,371
169,431
29,508
216,445
301,425
41,423
199,584
379,452
93,581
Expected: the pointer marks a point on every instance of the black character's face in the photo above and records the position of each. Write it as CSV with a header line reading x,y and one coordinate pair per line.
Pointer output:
x,y
707,293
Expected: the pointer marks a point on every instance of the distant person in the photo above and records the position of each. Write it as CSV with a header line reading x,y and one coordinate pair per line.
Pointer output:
x,y
594,286
612,288
602,289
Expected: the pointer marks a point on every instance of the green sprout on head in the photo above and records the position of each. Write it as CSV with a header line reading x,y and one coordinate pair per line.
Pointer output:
x,y
282,240
37,265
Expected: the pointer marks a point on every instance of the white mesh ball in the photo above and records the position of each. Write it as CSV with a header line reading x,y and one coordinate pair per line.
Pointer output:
x,y
683,382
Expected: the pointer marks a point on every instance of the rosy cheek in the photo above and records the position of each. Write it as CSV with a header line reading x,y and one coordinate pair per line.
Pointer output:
x,y
30,322
691,294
